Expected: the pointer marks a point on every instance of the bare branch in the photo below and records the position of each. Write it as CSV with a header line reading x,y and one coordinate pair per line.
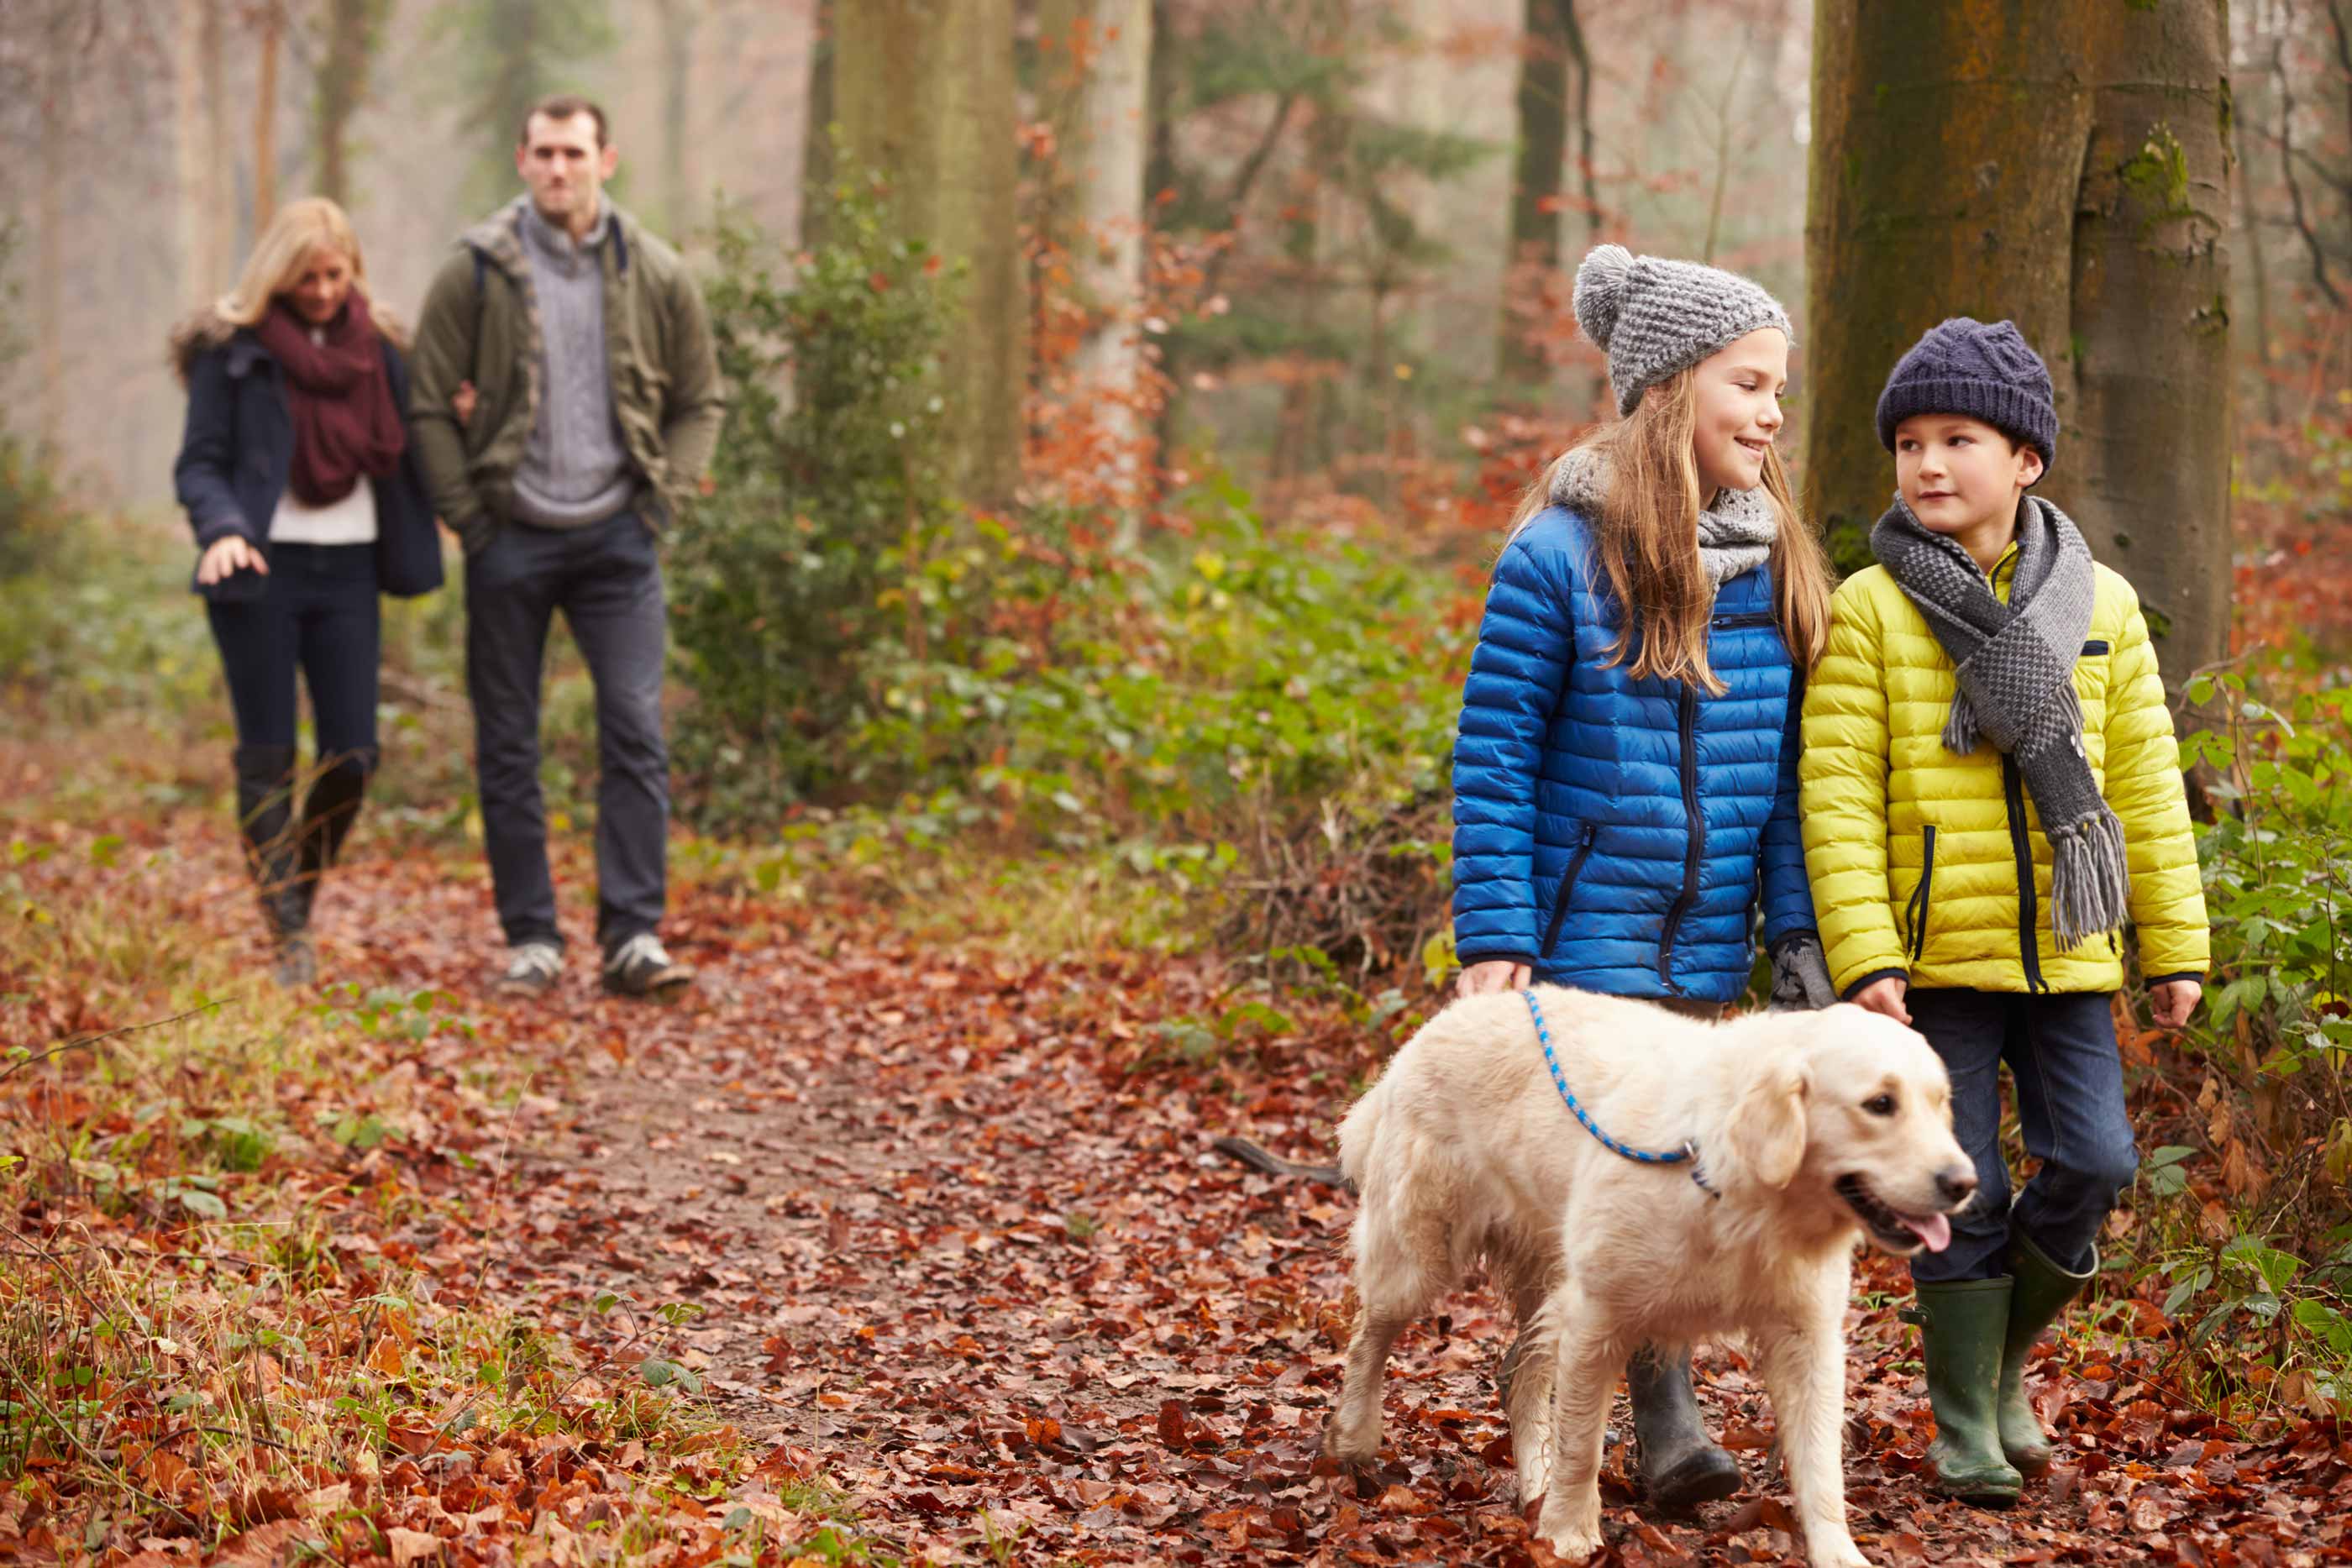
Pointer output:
x,y
2294,187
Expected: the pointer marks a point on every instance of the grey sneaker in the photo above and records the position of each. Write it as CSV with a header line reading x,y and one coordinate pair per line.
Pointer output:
x,y
532,971
642,967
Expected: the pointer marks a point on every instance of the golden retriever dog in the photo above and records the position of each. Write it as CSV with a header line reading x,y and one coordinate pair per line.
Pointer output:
x,y
1810,1129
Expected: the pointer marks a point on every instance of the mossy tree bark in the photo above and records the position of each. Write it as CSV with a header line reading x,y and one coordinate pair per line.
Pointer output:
x,y
2066,167
354,32
924,91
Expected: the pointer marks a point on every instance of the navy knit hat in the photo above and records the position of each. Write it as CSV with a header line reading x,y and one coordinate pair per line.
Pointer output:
x,y
1986,372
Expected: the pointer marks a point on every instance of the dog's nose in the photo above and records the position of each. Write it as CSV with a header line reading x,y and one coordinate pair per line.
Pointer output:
x,y
1957,1185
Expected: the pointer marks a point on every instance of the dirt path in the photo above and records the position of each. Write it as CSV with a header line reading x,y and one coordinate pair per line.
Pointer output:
x,y
954,1256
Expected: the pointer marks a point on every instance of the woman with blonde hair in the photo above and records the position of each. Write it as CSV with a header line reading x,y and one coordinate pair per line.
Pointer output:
x,y
1625,769
298,476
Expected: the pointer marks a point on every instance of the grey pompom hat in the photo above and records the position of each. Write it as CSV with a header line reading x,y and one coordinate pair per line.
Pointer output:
x,y
1653,317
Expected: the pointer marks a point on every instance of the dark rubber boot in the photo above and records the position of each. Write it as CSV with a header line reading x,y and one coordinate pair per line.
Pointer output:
x,y
1961,1326
1678,1464
2041,1292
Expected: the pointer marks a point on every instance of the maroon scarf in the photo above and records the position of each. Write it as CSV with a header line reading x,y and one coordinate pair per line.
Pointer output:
x,y
345,423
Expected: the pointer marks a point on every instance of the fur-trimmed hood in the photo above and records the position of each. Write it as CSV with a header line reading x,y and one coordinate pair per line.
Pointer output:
x,y
201,331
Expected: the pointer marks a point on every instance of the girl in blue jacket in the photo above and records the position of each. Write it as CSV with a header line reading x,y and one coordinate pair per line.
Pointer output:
x,y
298,481
1625,769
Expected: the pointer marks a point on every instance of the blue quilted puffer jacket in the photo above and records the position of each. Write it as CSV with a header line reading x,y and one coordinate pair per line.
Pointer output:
x,y
1612,833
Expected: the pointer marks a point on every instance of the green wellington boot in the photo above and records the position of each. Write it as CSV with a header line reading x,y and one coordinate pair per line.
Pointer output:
x,y
1961,1326
2040,1292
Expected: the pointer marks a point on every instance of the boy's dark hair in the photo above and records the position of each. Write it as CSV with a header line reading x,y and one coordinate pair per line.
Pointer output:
x,y
562,106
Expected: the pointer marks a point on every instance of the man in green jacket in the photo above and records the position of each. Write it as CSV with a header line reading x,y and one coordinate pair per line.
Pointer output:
x,y
596,406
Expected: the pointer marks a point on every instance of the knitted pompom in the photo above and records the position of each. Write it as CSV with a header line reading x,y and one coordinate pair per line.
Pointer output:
x,y
1601,283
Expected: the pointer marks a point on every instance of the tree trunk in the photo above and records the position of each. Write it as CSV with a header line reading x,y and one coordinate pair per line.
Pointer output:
x,y
1536,182
1110,187
2151,320
816,153
353,27
220,162
1106,161
199,279
679,19
55,112
2097,221
926,93
2247,97
1580,76
265,119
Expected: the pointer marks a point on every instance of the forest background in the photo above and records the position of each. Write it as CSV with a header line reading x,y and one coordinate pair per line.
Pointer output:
x,y
1129,397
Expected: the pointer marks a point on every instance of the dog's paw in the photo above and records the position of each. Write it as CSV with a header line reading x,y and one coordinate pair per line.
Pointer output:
x,y
1354,1451
1573,1533
1574,1545
1841,1552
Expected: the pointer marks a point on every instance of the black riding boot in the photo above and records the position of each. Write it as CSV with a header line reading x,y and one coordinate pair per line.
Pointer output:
x,y
265,820
329,809
1679,1465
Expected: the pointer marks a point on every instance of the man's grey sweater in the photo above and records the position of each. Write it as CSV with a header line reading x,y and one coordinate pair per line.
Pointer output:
x,y
574,471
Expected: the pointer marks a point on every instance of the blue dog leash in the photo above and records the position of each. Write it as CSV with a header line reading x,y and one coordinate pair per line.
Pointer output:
x,y
1688,1153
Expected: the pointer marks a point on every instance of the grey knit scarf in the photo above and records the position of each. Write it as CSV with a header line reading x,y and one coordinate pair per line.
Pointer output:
x,y
2015,662
1734,535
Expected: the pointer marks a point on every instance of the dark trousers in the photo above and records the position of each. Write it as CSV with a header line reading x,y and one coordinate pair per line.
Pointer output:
x,y
2061,1051
319,614
606,579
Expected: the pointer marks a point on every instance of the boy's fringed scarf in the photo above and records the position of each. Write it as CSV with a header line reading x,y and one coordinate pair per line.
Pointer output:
x,y
2015,662
1734,535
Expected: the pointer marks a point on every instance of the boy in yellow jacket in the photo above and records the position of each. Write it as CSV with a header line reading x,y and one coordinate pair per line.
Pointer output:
x,y
1989,789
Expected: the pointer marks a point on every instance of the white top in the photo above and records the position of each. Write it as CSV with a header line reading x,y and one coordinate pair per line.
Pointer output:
x,y
350,521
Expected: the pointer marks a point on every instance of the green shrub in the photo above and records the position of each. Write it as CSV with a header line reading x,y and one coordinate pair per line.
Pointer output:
x,y
2273,1043
829,462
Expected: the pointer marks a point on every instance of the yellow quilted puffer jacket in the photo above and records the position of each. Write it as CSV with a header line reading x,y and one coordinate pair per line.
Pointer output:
x,y
1915,855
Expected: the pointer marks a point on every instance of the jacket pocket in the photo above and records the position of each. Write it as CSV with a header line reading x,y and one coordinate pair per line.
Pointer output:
x,y
1567,886
1923,896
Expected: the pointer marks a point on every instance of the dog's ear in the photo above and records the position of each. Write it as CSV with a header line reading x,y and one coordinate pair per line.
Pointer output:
x,y
1768,1121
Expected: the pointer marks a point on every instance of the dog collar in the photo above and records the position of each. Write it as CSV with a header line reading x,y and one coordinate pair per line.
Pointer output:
x,y
1687,1154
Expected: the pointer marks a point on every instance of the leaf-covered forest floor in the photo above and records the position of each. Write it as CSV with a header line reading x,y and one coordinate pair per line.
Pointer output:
x,y
880,1246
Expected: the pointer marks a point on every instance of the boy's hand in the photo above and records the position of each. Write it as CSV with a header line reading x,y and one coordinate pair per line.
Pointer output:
x,y
2174,1000
1494,974
1885,996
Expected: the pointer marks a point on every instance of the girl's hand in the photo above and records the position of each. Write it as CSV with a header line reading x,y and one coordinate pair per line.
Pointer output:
x,y
2174,1000
1494,974
230,553
1885,996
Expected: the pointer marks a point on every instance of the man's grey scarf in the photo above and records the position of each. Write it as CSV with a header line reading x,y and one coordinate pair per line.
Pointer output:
x,y
2015,662
1734,535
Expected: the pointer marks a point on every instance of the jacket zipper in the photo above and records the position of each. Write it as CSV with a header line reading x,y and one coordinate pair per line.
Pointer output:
x,y
1695,836
1688,712
1568,886
1922,896
2022,845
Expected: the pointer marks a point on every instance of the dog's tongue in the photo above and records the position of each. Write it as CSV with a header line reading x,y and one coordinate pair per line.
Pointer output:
x,y
1934,1230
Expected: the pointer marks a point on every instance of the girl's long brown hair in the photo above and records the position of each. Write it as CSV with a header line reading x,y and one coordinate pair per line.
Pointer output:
x,y
1646,541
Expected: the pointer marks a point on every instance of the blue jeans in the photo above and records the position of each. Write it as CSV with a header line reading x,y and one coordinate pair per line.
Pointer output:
x,y
2061,1051
606,579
